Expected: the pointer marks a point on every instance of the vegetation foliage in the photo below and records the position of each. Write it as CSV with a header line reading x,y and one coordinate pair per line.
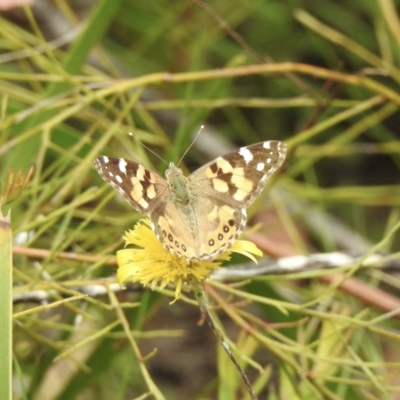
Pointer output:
x,y
322,76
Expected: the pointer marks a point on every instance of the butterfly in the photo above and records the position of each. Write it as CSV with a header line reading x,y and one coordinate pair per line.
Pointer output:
x,y
201,215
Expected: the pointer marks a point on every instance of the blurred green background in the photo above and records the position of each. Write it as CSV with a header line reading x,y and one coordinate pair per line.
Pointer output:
x,y
323,76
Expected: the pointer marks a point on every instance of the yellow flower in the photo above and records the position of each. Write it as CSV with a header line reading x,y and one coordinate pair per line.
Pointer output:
x,y
151,264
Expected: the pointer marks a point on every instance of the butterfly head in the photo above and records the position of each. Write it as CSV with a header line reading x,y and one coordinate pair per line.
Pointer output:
x,y
172,170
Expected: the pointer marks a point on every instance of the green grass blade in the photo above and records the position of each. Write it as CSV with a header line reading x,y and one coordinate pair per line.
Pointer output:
x,y
5,305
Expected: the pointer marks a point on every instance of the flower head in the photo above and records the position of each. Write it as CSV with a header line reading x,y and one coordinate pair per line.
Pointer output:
x,y
151,264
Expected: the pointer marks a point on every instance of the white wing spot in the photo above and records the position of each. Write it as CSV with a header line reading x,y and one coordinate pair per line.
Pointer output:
x,y
151,192
246,154
118,178
106,159
260,166
268,161
110,174
220,186
224,165
122,165
241,182
240,195
143,203
266,145
140,173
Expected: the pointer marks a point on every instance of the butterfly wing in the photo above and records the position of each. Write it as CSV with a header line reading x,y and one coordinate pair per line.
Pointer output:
x,y
140,187
219,193
240,176
231,183
175,229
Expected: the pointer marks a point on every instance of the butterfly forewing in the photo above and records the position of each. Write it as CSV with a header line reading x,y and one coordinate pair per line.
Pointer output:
x,y
140,187
240,176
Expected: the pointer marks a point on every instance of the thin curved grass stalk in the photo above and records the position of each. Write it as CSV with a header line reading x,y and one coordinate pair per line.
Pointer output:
x,y
201,300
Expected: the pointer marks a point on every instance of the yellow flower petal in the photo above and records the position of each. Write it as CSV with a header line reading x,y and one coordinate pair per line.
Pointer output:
x,y
247,249
151,264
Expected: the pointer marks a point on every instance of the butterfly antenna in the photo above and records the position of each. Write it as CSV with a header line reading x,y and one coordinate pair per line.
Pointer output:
x,y
191,144
147,148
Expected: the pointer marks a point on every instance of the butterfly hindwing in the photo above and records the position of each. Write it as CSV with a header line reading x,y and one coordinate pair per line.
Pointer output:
x,y
210,228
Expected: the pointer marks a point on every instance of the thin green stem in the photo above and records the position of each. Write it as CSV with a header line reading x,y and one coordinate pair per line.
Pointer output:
x,y
200,297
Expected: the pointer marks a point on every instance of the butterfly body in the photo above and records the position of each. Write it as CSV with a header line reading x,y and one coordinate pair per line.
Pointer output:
x,y
178,187
199,216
